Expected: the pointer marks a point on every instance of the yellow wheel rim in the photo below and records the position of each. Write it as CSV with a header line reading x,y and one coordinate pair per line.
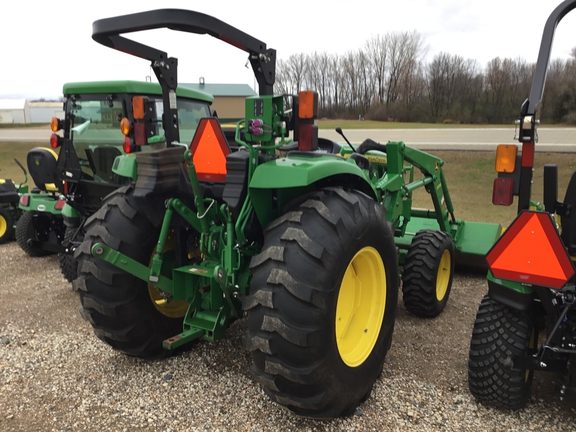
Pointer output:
x,y
3,226
171,309
443,275
360,307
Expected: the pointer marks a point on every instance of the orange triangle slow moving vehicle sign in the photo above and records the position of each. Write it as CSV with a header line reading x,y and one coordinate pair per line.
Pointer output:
x,y
531,252
209,150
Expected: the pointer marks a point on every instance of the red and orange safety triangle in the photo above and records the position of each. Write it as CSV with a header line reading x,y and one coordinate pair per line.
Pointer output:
x,y
531,252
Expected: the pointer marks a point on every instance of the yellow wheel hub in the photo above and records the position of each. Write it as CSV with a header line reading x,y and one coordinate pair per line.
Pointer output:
x,y
361,305
443,275
3,226
167,307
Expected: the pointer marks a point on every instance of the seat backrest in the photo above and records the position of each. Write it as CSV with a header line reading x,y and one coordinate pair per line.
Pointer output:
x,y
41,162
103,161
568,221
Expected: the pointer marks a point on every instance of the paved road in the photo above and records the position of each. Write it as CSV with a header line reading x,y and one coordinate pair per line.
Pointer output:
x,y
550,139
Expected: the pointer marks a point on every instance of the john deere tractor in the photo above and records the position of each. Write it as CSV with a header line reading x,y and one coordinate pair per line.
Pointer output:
x,y
102,120
527,321
304,235
40,228
9,211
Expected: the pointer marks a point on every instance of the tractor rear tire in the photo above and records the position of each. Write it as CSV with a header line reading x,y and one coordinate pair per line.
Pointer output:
x,y
68,265
6,225
499,333
26,229
323,303
119,305
428,272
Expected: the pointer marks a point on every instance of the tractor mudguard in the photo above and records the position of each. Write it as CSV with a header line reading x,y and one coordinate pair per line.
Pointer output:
x,y
71,216
126,166
509,293
286,178
40,202
301,169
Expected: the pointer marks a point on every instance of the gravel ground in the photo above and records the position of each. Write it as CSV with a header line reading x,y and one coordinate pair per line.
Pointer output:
x,y
55,375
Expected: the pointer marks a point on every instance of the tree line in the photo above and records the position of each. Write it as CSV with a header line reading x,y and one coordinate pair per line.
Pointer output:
x,y
388,80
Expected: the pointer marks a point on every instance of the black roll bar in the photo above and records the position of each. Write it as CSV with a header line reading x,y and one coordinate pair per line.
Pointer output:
x,y
108,31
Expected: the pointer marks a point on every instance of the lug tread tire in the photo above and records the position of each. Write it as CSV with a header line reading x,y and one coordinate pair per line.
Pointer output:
x,y
9,220
291,308
499,333
25,230
68,265
115,303
421,270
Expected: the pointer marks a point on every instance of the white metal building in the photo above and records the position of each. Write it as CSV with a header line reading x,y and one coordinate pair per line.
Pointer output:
x,y
42,112
14,111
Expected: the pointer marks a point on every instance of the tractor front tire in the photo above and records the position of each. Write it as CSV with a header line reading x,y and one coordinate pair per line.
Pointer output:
x,y
26,229
323,303
428,272
500,333
68,265
6,225
119,305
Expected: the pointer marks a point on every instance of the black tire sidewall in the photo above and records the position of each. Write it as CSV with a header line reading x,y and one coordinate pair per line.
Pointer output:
x,y
432,307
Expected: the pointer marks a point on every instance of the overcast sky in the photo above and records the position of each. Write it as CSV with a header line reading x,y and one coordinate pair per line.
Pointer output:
x,y
47,43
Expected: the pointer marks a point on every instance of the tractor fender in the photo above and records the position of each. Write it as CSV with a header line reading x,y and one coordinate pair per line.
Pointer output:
x,y
126,166
39,202
275,183
511,294
71,216
303,169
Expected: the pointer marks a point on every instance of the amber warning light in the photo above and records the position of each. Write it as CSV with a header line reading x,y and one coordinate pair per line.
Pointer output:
x,y
531,252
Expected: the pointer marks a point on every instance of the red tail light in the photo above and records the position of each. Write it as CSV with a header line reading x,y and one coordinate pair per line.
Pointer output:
x,y
24,200
55,141
503,191
140,134
59,204
307,137
127,145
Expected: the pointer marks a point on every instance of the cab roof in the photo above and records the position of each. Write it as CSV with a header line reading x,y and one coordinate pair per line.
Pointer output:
x,y
130,87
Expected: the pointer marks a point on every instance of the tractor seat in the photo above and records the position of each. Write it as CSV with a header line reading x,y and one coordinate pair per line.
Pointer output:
x,y
8,192
41,163
104,158
568,219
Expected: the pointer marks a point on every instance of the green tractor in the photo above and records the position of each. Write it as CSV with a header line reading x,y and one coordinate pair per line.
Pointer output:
x,y
9,211
40,228
102,120
304,235
527,320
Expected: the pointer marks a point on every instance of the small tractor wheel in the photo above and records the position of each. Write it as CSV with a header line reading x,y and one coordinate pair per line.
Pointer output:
x,y
26,229
121,307
428,271
68,265
6,225
323,302
499,333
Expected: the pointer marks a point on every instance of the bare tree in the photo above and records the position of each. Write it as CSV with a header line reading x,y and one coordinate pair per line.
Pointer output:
x,y
377,53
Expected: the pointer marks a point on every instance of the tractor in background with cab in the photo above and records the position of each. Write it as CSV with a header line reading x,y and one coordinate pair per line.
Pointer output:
x,y
102,120
304,235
